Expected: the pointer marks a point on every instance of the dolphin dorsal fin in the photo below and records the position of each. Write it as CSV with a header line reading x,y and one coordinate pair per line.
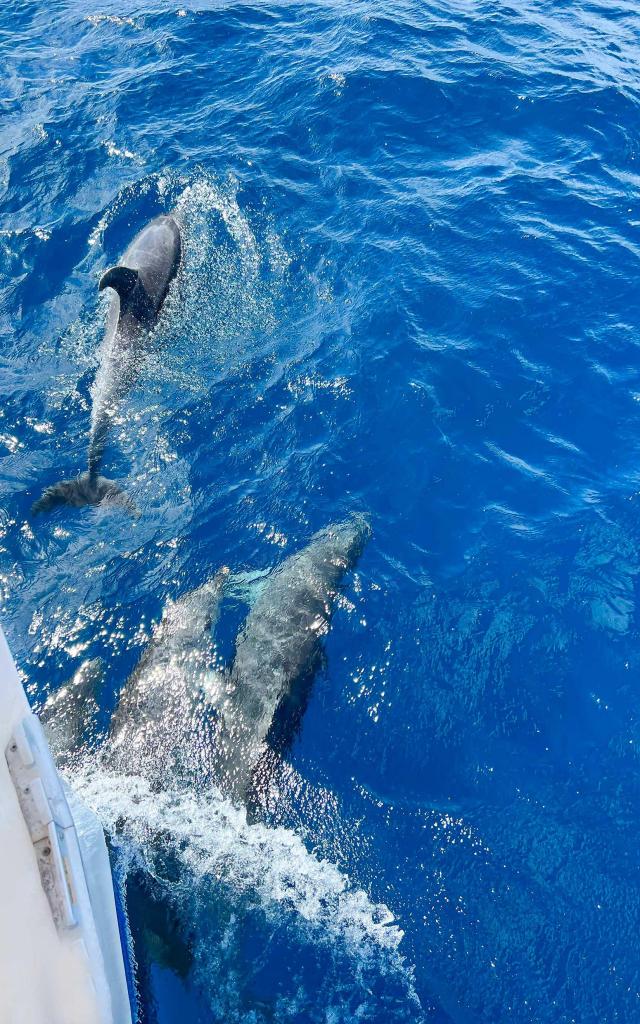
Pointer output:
x,y
122,279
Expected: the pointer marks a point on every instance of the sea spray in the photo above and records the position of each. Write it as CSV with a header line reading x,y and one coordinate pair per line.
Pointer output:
x,y
213,838
253,869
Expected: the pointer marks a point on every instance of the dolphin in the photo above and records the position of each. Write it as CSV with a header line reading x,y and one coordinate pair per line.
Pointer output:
x,y
263,697
160,728
139,284
183,717
70,711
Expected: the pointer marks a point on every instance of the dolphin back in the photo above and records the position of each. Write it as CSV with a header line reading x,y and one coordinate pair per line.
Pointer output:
x,y
70,712
154,255
282,632
160,710
279,648
139,286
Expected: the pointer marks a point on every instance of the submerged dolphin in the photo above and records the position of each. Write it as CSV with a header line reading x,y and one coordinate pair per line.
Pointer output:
x,y
73,707
264,695
179,716
154,721
140,284
160,728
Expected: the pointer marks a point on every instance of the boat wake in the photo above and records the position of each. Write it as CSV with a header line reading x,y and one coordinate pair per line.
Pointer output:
x,y
238,884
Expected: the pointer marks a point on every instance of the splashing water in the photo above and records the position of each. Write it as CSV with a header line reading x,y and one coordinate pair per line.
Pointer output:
x,y
234,268
251,870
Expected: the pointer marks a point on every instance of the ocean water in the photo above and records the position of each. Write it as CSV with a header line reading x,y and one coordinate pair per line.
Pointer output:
x,y
409,290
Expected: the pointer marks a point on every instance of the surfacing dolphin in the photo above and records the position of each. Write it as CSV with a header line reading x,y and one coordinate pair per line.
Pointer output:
x,y
179,717
263,698
140,284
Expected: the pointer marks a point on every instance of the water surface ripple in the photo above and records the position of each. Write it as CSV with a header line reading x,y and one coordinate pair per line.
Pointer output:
x,y
410,289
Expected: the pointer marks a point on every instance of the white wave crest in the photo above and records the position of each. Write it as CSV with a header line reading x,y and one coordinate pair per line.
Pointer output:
x,y
212,838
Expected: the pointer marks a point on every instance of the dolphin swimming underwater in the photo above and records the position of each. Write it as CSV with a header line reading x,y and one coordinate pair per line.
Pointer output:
x,y
181,717
72,709
140,284
278,652
155,719
160,727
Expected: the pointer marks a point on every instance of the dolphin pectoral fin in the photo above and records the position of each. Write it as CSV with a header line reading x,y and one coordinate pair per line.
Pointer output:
x,y
122,279
84,490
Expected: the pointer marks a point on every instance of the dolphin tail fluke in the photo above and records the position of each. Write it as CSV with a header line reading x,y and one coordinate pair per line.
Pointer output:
x,y
86,489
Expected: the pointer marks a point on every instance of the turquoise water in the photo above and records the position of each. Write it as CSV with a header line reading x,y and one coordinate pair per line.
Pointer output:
x,y
409,290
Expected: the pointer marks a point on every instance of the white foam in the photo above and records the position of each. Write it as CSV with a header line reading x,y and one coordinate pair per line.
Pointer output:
x,y
212,838
231,876
204,196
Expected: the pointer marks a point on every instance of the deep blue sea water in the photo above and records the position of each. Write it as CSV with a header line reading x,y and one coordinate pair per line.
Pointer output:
x,y
410,289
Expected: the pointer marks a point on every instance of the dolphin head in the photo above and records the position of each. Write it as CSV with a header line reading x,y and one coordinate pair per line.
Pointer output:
x,y
194,613
342,543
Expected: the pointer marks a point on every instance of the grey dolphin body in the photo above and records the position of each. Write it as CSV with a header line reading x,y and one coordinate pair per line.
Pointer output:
x,y
180,716
70,711
140,285
160,728
278,652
